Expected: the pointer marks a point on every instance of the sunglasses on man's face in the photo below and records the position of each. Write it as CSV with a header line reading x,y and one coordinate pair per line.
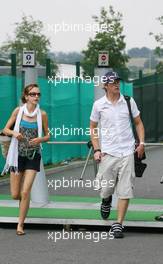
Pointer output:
x,y
34,94
116,82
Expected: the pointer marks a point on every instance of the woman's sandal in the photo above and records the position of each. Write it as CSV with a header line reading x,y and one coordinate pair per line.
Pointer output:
x,y
20,232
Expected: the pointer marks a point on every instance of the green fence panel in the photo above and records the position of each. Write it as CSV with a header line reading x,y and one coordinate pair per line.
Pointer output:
x,y
86,102
68,106
148,93
46,105
8,103
126,88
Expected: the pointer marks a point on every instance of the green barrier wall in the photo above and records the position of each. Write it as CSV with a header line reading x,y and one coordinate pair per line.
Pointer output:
x,y
68,106
148,93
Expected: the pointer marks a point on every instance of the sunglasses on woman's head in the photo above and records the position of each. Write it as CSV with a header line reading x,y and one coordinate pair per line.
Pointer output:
x,y
34,94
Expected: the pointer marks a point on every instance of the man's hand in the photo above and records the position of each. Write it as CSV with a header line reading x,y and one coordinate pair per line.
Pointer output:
x,y
97,156
140,150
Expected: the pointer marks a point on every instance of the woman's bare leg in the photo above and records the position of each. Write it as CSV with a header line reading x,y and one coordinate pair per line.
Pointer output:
x,y
15,185
29,176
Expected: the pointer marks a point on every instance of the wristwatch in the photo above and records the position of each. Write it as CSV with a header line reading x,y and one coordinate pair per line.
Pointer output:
x,y
96,150
141,143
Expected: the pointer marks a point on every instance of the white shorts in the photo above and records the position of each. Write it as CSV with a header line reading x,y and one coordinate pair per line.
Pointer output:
x,y
116,174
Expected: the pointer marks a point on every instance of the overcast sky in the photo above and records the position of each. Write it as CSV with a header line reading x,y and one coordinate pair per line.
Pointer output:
x,y
139,18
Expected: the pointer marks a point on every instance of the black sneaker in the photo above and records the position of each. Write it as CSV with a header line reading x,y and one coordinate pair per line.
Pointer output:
x,y
105,207
159,218
117,230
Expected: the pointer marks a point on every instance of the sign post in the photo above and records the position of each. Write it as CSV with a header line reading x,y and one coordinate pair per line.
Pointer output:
x,y
100,71
39,192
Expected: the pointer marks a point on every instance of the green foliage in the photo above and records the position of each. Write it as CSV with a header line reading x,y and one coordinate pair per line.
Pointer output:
x,y
159,49
28,36
159,67
111,40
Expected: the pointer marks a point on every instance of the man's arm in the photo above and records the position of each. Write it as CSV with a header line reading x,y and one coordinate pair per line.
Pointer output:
x,y
95,140
140,132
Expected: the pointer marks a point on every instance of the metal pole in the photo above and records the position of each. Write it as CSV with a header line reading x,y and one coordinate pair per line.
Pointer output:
x,y
39,192
86,163
78,68
79,97
13,64
67,142
154,144
141,91
85,142
48,67
157,108
14,73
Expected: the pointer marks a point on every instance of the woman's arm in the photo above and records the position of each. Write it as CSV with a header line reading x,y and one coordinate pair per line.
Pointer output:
x,y
45,127
7,129
45,138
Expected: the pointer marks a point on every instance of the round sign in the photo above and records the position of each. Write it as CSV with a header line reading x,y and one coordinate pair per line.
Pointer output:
x,y
103,57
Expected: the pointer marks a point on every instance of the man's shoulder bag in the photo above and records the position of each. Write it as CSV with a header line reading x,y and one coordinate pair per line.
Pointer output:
x,y
139,166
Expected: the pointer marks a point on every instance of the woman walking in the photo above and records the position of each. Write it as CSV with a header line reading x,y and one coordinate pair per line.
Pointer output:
x,y
24,155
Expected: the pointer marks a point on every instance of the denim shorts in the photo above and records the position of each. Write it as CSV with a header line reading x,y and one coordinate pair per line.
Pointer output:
x,y
27,164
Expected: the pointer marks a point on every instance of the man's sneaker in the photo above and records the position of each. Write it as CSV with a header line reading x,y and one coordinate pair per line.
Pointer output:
x,y
159,218
105,207
117,230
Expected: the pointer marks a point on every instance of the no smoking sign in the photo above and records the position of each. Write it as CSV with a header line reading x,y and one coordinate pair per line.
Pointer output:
x,y
103,59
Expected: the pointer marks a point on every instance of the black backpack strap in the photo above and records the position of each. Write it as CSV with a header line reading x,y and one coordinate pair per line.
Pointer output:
x,y
127,98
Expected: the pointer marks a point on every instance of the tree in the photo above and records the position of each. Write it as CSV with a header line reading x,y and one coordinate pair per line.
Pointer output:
x,y
159,49
29,36
111,39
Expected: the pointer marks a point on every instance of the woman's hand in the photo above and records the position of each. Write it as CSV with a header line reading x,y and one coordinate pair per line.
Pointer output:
x,y
17,135
35,141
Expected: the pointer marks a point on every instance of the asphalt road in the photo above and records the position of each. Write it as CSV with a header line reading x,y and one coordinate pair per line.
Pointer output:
x,y
35,248
138,246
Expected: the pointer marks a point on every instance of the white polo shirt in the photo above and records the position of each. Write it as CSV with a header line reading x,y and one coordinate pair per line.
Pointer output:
x,y
116,135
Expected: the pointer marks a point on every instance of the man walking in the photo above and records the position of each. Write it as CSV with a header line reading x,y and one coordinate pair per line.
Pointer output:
x,y
115,149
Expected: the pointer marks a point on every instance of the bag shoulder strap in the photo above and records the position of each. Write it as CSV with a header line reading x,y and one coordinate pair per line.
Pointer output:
x,y
127,98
